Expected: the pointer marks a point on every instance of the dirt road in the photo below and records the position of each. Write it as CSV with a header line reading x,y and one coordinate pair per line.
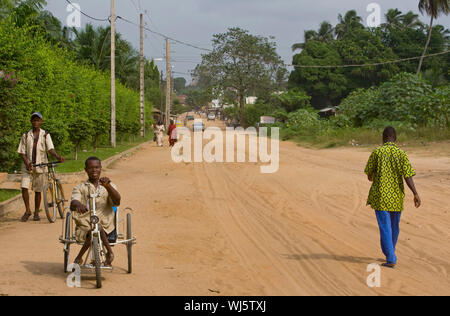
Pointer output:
x,y
227,229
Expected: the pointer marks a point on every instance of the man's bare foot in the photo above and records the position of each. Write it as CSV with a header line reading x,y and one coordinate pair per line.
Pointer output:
x,y
109,259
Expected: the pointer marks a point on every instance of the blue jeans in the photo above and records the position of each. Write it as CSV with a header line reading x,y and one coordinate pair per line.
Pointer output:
x,y
389,224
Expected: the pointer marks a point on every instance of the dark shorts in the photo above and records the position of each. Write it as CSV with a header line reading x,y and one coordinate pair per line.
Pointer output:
x,y
112,237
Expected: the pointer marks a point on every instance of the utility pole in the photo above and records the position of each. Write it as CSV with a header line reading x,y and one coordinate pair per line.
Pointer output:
x,y
161,90
113,75
168,83
142,79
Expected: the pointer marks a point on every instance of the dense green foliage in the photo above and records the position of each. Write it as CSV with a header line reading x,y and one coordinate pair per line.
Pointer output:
x,y
406,98
74,98
406,102
350,43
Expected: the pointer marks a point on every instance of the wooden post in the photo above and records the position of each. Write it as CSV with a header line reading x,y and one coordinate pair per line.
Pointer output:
x,y
168,83
113,76
142,101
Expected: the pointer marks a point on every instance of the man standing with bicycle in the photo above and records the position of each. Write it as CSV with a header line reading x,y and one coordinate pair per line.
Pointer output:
x,y
33,149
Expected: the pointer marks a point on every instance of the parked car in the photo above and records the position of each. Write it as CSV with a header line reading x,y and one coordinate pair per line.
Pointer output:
x,y
198,126
211,117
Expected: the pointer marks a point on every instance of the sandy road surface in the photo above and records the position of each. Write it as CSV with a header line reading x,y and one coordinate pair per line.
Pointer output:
x,y
226,229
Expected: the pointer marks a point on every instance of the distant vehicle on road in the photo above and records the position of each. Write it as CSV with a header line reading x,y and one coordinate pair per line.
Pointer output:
x,y
190,118
211,117
198,126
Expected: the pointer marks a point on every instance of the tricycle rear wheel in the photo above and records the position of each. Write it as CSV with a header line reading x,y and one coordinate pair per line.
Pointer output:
x,y
129,244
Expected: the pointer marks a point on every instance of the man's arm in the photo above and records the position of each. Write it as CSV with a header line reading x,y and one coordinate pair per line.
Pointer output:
x,y
27,163
412,187
115,196
77,206
52,151
371,167
54,154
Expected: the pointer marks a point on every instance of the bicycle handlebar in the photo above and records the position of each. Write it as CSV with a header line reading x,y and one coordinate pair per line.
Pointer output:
x,y
50,164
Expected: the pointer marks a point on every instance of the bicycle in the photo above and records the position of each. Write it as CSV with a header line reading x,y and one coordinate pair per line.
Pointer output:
x,y
53,193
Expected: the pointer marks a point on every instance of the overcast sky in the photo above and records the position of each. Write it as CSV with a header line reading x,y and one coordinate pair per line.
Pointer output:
x,y
195,21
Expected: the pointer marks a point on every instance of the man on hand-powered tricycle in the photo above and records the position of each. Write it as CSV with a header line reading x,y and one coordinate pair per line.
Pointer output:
x,y
106,197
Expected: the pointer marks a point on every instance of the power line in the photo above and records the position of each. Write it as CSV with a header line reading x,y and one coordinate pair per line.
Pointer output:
x,y
101,20
180,73
134,4
166,37
370,65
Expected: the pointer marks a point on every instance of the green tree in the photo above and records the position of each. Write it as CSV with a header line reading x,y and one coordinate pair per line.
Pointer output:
x,y
324,35
393,19
292,100
80,129
362,46
92,45
411,20
179,84
433,8
242,62
197,98
326,86
347,24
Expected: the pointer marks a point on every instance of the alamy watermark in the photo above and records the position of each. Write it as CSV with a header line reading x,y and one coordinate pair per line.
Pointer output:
x,y
74,18
221,148
374,18
74,279
374,278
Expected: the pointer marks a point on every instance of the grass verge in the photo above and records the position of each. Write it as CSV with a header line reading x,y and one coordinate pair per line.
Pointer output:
x,y
72,165
6,194
365,137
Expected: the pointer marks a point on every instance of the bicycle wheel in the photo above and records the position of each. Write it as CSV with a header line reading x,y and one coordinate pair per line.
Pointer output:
x,y
129,244
49,203
60,196
98,269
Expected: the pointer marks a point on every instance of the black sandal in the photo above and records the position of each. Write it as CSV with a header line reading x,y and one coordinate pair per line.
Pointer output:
x,y
36,217
25,217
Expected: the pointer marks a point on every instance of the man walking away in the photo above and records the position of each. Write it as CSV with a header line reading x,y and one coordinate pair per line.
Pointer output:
x,y
386,168
33,149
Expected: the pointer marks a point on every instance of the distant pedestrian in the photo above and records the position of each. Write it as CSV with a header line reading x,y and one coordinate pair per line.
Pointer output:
x,y
387,167
159,133
172,133
33,149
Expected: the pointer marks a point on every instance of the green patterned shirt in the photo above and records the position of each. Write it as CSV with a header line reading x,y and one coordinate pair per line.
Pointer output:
x,y
388,165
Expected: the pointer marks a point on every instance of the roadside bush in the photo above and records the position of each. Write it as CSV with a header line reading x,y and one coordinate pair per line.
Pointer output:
x,y
304,119
405,98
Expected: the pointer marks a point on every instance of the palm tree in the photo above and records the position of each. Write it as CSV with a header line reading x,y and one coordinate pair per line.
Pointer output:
x,y
324,35
411,20
433,8
309,36
348,23
127,64
27,10
393,19
326,32
6,7
92,45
